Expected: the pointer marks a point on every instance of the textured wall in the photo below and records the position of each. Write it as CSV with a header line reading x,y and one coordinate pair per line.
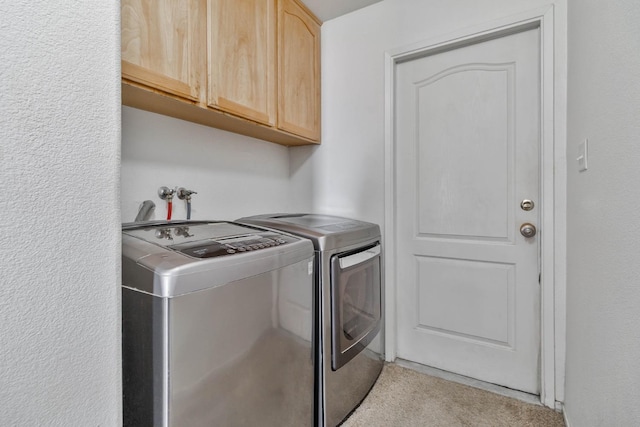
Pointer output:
x,y
603,290
59,213
234,175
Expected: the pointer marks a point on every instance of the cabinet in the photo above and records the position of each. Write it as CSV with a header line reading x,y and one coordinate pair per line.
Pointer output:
x,y
298,70
241,58
161,44
246,66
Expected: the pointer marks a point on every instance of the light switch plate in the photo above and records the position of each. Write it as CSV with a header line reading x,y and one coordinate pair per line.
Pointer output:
x,y
582,156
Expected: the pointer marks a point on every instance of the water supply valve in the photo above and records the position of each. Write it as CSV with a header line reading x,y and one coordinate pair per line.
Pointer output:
x,y
183,194
166,193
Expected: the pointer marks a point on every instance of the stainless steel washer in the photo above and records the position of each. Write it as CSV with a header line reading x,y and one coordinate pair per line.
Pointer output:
x,y
349,316
217,326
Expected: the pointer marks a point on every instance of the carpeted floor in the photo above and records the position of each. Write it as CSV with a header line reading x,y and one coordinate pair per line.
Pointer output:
x,y
405,398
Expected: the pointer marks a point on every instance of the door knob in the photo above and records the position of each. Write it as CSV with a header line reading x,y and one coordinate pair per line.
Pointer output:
x,y
528,230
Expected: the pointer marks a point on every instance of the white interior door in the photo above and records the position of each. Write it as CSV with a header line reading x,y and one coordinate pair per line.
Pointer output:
x,y
467,152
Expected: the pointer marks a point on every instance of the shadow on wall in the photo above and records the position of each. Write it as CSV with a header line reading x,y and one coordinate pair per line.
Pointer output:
x,y
300,159
302,176
151,138
234,175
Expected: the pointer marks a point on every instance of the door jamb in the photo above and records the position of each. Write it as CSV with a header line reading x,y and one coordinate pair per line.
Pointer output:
x,y
553,179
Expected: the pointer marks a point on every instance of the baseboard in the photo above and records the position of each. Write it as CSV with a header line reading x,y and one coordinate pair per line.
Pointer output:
x,y
449,376
567,423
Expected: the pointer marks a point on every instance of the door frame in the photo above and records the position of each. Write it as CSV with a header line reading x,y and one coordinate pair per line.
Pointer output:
x,y
551,20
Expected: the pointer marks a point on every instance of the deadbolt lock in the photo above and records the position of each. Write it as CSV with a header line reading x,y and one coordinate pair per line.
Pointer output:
x,y
527,205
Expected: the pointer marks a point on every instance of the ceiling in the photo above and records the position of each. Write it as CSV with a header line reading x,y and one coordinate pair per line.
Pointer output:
x,y
329,9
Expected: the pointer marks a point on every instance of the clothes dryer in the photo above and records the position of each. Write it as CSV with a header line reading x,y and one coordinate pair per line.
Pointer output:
x,y
349,310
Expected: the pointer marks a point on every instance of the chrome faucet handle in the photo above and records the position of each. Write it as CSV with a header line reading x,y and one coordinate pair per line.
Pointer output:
x,y
183,193
166,193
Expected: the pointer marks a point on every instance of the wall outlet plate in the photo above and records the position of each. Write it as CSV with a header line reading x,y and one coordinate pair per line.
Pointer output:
x,y
582,156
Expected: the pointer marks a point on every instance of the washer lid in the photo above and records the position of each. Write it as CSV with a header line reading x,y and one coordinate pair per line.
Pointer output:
x,y
325,231
169,259
323,223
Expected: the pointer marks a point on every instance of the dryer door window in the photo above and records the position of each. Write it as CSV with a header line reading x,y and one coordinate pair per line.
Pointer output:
x,y
355,302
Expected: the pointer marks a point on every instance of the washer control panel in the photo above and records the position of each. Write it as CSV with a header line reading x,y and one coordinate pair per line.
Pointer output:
x,y
208,239
230,246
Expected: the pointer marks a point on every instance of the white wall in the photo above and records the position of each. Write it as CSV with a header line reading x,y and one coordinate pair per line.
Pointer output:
x,y
234,175
603,289
59,215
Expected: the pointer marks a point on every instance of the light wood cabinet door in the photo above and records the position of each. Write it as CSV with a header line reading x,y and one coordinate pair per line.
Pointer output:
x,y
161,45
298,70
242,58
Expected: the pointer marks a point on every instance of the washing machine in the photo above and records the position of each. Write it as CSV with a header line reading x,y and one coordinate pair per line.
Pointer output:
x,y
350,305
217,325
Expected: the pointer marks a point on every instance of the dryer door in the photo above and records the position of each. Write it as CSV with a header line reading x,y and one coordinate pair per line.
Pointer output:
x,y
355,302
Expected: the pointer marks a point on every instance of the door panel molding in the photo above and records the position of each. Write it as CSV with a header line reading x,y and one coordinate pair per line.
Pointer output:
x,y
487,199
551,20
496,327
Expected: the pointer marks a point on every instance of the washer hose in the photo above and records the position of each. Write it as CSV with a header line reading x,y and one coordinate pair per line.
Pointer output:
x,y
184,194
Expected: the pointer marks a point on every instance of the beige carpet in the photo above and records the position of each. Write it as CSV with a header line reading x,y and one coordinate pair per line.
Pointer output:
x,y
403,397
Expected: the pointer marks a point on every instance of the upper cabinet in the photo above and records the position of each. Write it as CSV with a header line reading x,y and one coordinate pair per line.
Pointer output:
x,y
162,43
242,46
247,66
298,70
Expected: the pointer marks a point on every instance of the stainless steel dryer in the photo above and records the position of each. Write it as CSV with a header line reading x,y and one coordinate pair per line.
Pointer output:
x,y
217,326
349,317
